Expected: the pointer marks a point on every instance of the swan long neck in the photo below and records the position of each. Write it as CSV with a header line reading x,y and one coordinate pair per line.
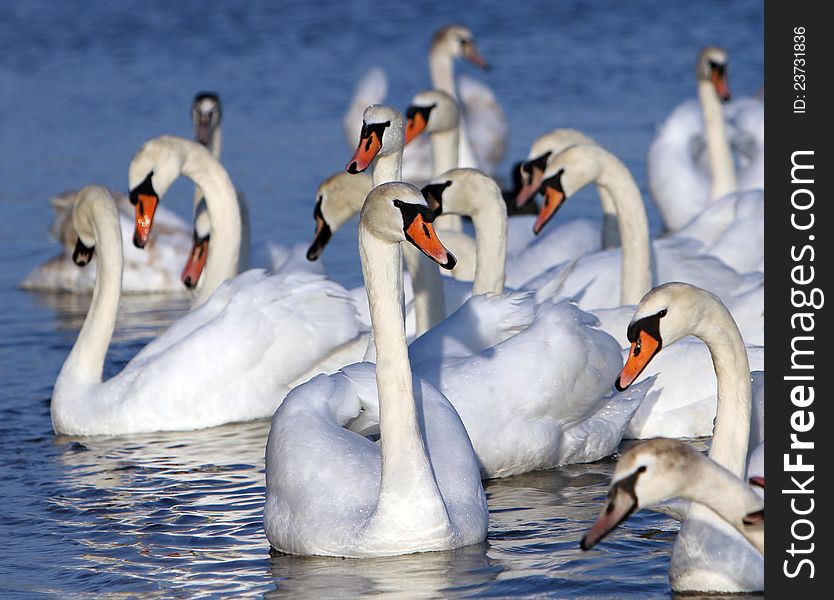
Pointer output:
x,y
444,150
225,219
720,157
616,180
442,71
388,166
216,141
85,362
406,473
727,496
610,227
488,212
429,300
731,433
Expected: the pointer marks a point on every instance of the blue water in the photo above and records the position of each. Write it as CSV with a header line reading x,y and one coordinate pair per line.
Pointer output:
x,y
82,85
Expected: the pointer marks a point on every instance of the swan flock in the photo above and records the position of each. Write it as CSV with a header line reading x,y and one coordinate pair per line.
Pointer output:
x,y
482,343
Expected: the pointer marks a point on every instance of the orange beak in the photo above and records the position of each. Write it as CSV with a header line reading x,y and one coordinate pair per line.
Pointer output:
x,y
414,126
641,353
365,153
196,263
145,208
553,199
421,233
719,81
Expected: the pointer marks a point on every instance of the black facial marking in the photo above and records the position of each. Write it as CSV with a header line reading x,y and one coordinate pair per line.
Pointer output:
x,y
423,111
433,193
316,248
198,240
410,211
145,188
540,163
717,68
650,324
554,182
82,255
377,128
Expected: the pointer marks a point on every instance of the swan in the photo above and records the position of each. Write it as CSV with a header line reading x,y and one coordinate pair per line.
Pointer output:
x,y
542,151
435,113
194,375
331,491
156,269
680,186
474,356
599,279
665,315
485,133
381,143
659,469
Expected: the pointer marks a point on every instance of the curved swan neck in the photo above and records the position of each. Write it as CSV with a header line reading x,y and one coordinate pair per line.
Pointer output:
x,y
610,227
85,362
216,141
406,474
224,216
616,180
483,203
727,496
441,70
722,170
731,433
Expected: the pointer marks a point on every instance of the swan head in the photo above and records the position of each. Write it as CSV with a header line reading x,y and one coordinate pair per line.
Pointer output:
x,y
433,193
198,256
338,198
530,175
397,212
93,206
712,66
566,173
646,474
383,132
206,114
458,42
152,170
664,315
430,111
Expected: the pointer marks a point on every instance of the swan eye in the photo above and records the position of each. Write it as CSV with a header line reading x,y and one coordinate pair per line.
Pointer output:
x,y
642,469
662,313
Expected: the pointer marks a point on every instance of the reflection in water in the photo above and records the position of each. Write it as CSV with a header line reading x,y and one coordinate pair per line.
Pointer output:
x,y
188,504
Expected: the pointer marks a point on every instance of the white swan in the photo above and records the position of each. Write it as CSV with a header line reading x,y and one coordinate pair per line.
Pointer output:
x,y
436,113
484,136
680,185
226,361
666,314
542,151
622,276
659,469
157,268
381,143
331,491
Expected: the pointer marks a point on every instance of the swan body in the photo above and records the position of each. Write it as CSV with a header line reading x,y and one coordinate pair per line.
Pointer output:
x,y
592,279
666,314
691,162
182,380
153,269
419,488
659,469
